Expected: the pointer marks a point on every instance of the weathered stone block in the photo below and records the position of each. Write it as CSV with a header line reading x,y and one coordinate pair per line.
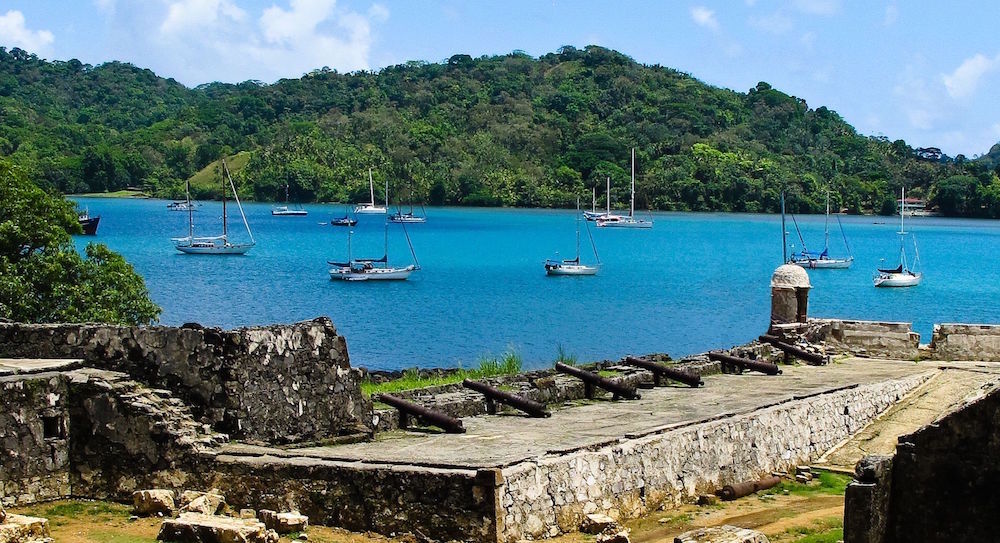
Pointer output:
x,y
597,523
151,502
283,523
613,536
722,534
206,503
199,528
20,528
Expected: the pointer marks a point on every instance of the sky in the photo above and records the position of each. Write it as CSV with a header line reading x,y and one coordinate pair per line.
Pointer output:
x,y
926,72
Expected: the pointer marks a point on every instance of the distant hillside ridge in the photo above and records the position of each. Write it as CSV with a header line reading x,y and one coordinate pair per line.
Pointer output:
x,y
505,130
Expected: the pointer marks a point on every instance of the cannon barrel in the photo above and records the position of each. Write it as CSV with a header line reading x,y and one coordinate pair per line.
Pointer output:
x,y
739,490
746,363
592,379
531,407
688,378
430,416
812,358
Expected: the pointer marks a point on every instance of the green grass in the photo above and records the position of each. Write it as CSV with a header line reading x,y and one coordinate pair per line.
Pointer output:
x,y
207,183
564,357
822,531
60,513
116,194
610,374
508,363
824,482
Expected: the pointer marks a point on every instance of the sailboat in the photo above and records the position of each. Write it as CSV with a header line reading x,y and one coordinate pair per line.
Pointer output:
x,y
617,221
594,214
574,267
408,217
822,260
369,269
217,245
346,220
285,211
902,275
370,208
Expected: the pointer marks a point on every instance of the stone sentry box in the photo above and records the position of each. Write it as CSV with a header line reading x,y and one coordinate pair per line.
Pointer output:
x,y
789,294
273,384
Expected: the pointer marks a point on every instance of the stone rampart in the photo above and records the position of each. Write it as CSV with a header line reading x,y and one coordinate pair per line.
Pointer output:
x,y
980,342
274,384
939,487
34,458
552,495
889,340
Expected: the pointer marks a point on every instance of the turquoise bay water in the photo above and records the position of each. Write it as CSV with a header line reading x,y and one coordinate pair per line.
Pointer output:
x,y
694,282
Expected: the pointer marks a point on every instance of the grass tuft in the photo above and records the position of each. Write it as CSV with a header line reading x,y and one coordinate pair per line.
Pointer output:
x,y
509,363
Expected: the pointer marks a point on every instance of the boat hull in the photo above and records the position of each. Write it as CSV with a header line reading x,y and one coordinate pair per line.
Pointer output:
x,y
897,280
623,224
343,222
227,249
824,263
289,212
369,210
569,270
89,225
405,219
373,274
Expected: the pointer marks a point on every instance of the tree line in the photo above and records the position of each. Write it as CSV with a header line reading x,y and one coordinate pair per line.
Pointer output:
x,y
505,130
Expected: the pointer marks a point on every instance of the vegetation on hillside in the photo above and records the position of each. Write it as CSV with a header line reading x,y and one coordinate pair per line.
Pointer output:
x,y
501,130
42,276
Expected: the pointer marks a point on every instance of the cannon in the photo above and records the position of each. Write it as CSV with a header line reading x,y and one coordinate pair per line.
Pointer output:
x,y
745,363
739,490
792,350
591,379
690,379
407,409
494,395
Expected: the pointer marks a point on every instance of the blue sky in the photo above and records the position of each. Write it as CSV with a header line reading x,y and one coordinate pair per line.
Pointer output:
x,y
927,72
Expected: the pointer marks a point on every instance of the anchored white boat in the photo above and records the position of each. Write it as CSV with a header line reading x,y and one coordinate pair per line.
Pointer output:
x,y
215,245
822,260
618,221
370,208
902,275
285,211
574,267
372,269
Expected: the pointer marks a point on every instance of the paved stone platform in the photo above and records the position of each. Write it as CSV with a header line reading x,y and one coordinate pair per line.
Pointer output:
x,y
498,441
24,366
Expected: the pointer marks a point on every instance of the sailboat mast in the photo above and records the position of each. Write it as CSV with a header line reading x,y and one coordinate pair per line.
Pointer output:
x,y
225,226
608,195
631,205
577,229
826,226
387,192
371,186
593,200
784,232
187,193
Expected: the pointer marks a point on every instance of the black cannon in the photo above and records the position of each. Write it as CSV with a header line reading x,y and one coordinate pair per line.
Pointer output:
x,y
738,490
690,379
792,350
494,395
591,379
745,363
430,416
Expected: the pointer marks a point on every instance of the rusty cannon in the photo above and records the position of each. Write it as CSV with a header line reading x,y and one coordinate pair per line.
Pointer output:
x,y
432,417
791,350
494,395
745,363
591,379
659,371
739,490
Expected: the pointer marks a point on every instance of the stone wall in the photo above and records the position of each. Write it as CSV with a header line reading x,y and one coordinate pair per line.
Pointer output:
x,y
275,384
890,340
34,457
625,480
980,342
942,483
448,504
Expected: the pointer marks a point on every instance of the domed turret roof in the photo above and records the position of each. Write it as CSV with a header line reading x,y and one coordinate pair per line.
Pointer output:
x,y
790,276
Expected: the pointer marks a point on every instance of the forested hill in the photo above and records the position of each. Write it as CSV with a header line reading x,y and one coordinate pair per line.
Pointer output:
x,y
503,130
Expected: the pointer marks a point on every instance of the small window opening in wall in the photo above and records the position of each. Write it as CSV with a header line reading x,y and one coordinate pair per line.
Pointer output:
x,y
847,410
52,427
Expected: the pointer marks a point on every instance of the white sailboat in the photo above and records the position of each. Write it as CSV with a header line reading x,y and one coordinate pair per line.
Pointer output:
x,y
373,269
216,245
285,211
574,267
902,275
617,221
822,260
370,208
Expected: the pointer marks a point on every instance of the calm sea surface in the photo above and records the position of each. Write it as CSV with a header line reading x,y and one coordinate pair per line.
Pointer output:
x,y
692,283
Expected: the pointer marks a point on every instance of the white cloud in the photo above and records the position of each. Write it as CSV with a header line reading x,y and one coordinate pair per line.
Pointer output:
x,y
963,81
196,15
378,13
818,7
705,17
775,23
282,26
14,33
891,15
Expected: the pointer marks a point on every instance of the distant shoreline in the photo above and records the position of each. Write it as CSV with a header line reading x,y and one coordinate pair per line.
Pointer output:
x,y
137,194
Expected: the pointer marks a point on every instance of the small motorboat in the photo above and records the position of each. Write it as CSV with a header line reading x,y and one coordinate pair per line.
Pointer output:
x,y
88,223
